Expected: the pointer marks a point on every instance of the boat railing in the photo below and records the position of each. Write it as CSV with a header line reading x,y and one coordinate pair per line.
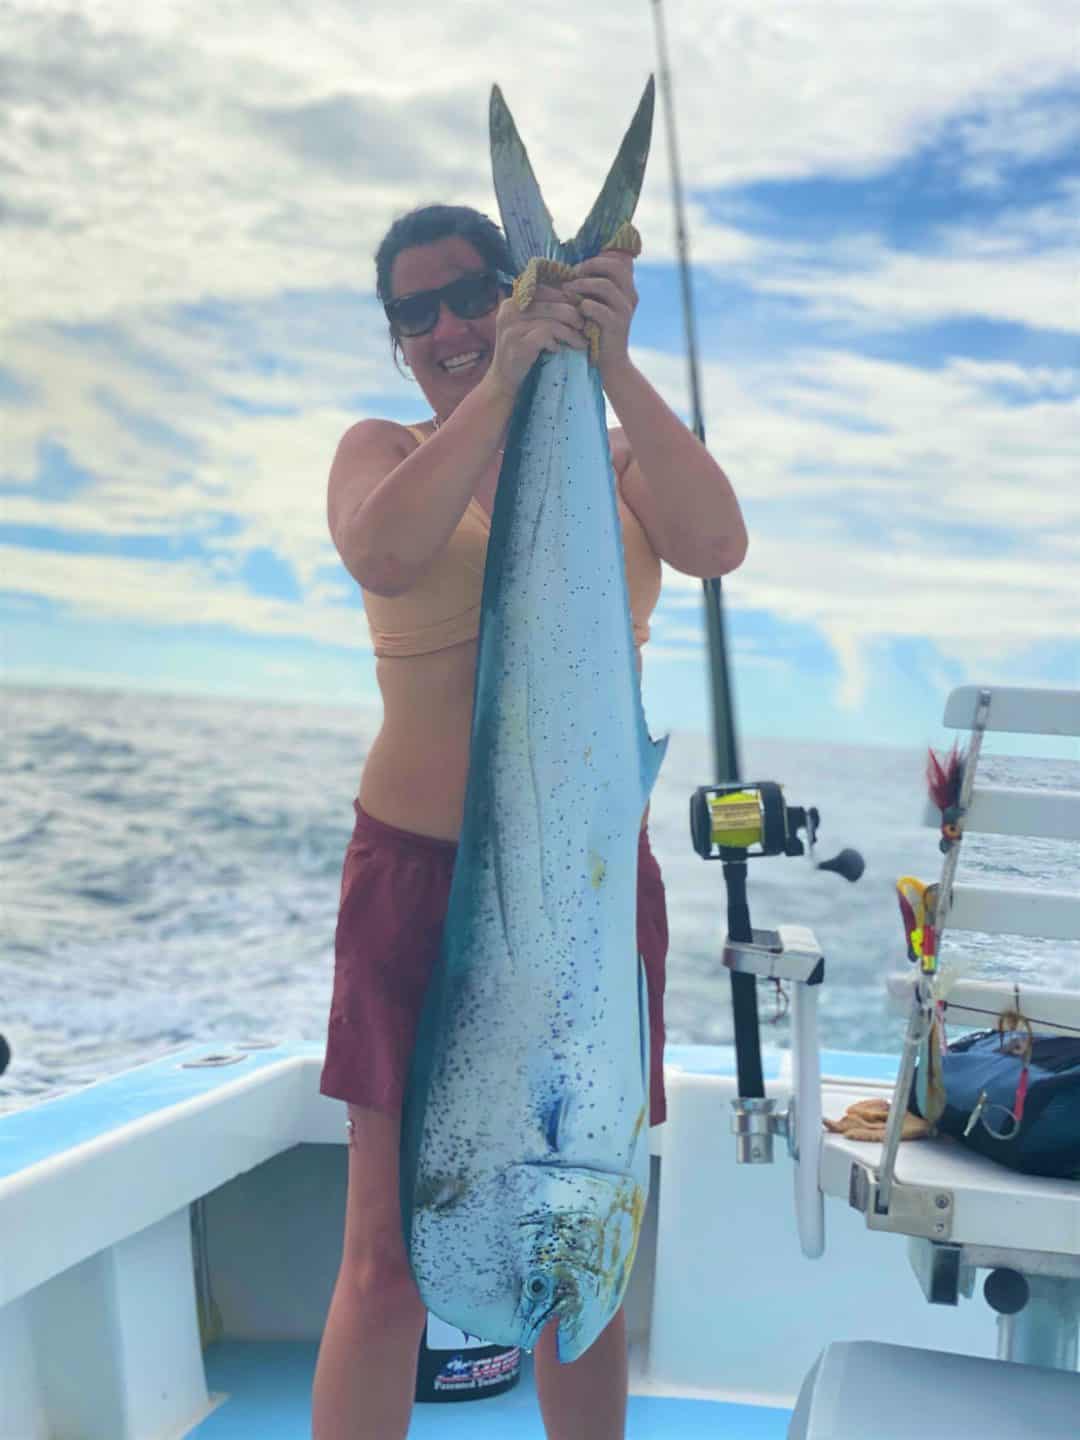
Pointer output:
x,y
962,1211
99,1324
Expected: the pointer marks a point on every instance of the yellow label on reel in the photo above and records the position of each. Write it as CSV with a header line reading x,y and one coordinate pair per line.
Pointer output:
x,y
736,818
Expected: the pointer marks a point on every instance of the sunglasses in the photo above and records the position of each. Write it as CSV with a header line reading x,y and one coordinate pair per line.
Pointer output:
x,y
468,297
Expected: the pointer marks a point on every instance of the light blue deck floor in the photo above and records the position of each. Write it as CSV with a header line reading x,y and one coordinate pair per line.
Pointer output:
x,y
269,1389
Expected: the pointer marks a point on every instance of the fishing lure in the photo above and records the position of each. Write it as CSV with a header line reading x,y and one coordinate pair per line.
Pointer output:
x,y
944,778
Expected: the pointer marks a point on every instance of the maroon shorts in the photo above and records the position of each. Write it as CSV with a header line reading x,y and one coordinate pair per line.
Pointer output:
x,y
395,889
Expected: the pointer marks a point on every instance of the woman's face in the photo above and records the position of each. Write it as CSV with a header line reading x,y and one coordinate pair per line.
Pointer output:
x,y
453,357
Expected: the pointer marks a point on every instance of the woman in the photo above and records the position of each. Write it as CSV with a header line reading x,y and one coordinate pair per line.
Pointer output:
x,y
409,508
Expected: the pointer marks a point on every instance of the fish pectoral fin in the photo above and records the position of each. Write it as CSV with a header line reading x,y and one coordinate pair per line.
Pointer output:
x,y
643,1020
555,1121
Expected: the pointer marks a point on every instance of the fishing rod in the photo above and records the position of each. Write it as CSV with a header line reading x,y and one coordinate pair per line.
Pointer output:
x,y
732,821
725,739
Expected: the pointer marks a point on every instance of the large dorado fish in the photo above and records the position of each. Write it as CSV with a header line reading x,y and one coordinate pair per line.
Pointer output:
x,y
525,1154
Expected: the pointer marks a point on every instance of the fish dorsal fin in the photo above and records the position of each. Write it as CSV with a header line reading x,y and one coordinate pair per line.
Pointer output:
x,y
618,198
652,757
526,219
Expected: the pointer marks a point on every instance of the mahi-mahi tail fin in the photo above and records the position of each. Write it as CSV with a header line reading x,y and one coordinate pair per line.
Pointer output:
x,y
527,220
618,197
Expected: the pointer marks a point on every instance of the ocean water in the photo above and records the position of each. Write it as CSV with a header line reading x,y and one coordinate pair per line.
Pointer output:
x,y
169,872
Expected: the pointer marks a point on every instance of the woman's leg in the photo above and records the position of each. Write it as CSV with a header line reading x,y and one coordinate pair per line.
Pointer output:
x,y
366,1375
585,1400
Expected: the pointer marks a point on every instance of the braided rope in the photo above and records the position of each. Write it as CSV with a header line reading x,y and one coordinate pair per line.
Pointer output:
x,y
540,270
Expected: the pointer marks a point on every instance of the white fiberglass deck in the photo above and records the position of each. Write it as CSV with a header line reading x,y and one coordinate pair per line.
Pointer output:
x,y
265,1391
98,1300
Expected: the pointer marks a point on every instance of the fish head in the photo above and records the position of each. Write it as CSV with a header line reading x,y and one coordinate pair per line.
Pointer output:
x,y
576,1235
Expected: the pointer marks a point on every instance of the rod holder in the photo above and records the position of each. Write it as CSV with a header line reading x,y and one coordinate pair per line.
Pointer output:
x,y
754,1123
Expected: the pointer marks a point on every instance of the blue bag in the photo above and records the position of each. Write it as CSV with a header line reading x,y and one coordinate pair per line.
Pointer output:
x,y
982,1076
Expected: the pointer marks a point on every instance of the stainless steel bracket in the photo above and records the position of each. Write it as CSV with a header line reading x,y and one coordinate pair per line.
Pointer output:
x,y
912,1209
946,1270
940,1270
755,1123
790,953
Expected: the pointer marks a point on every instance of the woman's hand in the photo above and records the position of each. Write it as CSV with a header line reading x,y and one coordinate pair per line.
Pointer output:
x,y
603,289
551,321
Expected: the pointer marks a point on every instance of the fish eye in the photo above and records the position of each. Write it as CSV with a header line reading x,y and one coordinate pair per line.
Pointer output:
x,y
538,1286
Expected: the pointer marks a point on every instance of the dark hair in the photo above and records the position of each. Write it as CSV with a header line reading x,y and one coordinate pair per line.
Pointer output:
x,y
429,223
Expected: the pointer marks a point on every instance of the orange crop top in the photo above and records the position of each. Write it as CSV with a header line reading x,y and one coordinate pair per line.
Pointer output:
x,y
443,607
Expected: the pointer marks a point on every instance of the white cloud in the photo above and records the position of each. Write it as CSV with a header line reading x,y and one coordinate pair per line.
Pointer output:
x,y
867,535
165,153
861,533
924,443
1016,129
173,155
265,471
879,287
117,588
841,87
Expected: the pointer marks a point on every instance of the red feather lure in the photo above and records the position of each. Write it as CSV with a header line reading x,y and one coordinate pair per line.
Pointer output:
x,y
944,777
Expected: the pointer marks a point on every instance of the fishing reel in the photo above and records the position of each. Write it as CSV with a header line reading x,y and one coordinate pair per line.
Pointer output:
x,y
746,821
734,823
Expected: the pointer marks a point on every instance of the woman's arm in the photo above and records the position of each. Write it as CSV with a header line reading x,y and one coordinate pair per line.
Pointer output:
x,y
392,509
674,486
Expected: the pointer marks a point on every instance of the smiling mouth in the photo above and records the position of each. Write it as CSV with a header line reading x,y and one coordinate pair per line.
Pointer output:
x,y
459,364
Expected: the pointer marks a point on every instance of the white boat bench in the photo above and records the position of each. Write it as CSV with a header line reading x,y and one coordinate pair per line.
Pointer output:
x,y
961,1211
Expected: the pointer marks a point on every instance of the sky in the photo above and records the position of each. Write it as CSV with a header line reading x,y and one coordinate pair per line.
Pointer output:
x,y
882,206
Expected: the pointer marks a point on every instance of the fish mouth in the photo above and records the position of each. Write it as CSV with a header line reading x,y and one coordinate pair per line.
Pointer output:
x,y
539,1302
533,1330
567,1340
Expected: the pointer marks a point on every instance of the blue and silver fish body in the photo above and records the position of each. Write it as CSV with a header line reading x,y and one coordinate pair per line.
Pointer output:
x,y
525,1155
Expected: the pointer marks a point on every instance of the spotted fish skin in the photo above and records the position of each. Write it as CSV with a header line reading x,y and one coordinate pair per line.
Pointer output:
x,y
525,1156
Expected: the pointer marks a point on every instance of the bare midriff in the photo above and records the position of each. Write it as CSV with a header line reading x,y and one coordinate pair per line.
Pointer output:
x,y
415,772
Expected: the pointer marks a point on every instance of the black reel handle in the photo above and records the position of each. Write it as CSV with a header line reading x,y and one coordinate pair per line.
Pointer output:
x,y
849,863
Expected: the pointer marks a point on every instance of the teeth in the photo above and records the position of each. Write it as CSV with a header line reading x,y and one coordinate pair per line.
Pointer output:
x,y
461,362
